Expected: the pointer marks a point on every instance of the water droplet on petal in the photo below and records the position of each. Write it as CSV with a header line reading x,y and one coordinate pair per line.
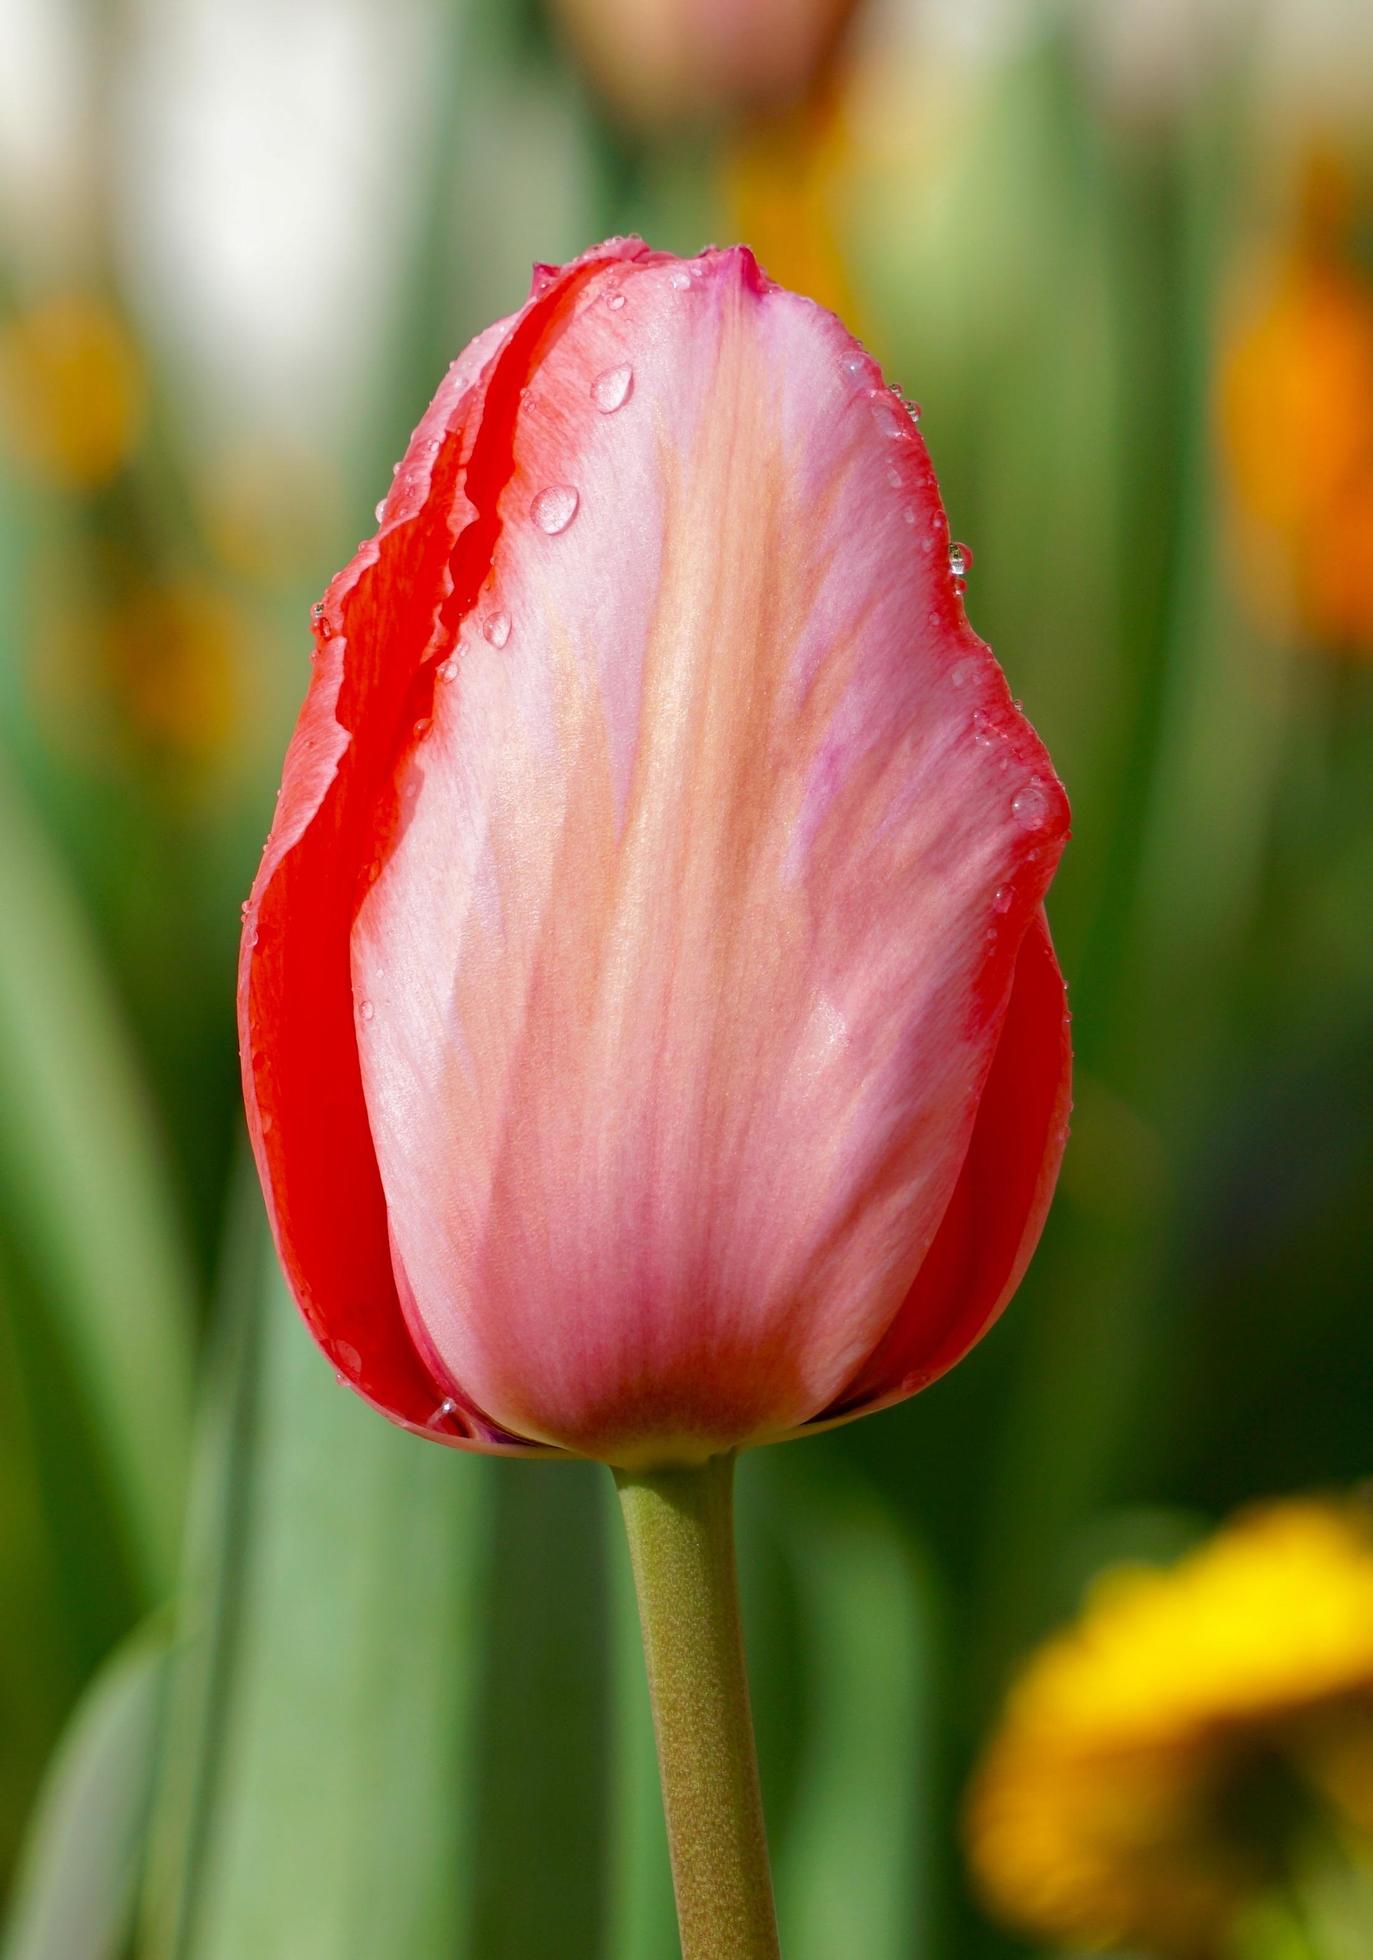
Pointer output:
x,y
910,513
680,281
380,510
554,509
496,625
960,560
446,669
1030,806
347,1357
615,300
854,363
422,725
889,413
612,389
962,671
366,1010
444,1413
1002,898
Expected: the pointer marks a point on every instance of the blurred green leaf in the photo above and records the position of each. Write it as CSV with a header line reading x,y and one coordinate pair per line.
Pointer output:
x,y
856,1866
85,1204
344,1638
74,1892
539,1778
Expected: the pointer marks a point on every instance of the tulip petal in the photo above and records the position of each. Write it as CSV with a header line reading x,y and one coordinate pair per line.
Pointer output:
x,y
306,1115
709,863
996,1214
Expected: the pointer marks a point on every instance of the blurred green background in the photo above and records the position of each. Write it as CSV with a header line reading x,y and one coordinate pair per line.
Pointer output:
x,y
276,1680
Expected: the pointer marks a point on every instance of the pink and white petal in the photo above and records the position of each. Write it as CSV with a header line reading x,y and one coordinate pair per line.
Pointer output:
x,y
691,956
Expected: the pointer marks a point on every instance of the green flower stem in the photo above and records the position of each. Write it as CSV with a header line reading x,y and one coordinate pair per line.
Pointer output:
x,y
680,1525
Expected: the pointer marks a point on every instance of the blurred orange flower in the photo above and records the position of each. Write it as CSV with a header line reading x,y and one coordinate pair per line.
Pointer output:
x,y
783,177
71,390
1295,410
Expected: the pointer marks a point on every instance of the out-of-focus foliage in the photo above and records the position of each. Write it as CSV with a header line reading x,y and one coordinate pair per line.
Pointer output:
x,y
389,1699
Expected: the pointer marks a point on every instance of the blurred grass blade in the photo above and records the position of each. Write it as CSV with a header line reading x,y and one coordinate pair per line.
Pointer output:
x,y
212,1580
855,1864
73,1895
337,1785
540,1861
86,1209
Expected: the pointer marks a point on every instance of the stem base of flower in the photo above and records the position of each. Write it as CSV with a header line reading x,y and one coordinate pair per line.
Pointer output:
x,y
680,1526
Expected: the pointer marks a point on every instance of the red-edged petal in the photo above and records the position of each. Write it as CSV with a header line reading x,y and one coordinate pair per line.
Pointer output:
x,y
996,1214
379,631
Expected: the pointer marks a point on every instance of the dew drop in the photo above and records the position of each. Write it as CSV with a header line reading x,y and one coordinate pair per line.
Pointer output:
x,y
894,477
615,300
347,1357
422,725
366,1010
680,281
963,670
612,389
854,363
1030,806
444,1413
446,669
890,415
380,510
1002,898
910,513
496,625
960,560
554,509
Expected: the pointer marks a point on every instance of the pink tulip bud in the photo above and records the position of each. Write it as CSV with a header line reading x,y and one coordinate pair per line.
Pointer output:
x,y
665,61
652,1039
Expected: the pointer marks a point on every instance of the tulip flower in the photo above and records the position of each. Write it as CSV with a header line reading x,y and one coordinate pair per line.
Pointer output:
x,y
658,62
653,1044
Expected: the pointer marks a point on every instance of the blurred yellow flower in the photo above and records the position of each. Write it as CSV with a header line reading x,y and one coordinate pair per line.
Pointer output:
x,y
152,674
1296,422
1155,1762
71,390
